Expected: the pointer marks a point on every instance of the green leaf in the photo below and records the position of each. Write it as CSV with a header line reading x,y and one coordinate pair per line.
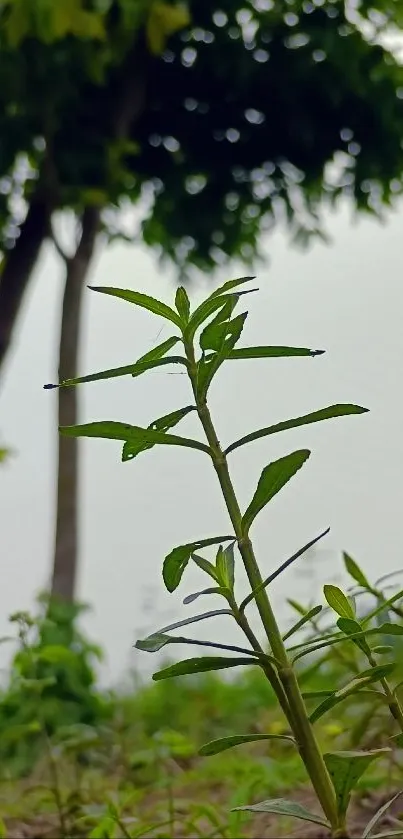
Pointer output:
x,y
352,627
211,337
272,352
158,640
230,333
331,412
252,595
108,429
298,607
3,829
194,619
338,601
330,640
169,420
155,642
225,743
345,769
214,590
382,649
142,300
20,732
204,311
229,285
282,807
361,680
182,304
149,361
382,607
57,654
205,566
191,666
137,438
305,619
134,447
225,565
176,561
219,331
355,571
271,481
379,813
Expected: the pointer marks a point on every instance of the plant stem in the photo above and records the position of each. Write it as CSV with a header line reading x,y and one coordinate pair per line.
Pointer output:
x,y
284,682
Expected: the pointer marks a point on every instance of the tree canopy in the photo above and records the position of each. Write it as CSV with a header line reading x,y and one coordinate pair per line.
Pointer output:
x,y
253,108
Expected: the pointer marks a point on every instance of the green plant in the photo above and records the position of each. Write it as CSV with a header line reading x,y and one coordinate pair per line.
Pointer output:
x,y
52,686
333,775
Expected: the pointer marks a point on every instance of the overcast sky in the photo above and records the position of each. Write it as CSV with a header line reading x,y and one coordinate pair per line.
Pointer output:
x,y
346,298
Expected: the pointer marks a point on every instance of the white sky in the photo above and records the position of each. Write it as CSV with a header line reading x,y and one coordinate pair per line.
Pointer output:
x,y
346,298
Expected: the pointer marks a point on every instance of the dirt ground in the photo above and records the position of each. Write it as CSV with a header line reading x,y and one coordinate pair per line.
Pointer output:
x,y
264,826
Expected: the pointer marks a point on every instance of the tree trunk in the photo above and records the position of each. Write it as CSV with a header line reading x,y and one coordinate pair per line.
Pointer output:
x,y
18,266
129,104
66,537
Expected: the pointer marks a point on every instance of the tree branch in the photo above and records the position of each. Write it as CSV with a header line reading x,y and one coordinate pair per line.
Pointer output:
x,y
62,253
18,265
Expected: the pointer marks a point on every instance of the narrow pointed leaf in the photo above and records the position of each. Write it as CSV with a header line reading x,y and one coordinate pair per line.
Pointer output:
x,y
216,333
272,352
207,308
191,666
142,300
330,641
150,437
229,285
139,444
205,566
214,590
225,565
338,601
182,304
279,570
209,338
379,813
355,571
159,351
353,628
225,743
208,367
282,807
346,769
169,420
108,429
194,619
155,642
360,681
149,361
305,619
383,649
176,562
297,606
132,434
331,412
271,481
382,607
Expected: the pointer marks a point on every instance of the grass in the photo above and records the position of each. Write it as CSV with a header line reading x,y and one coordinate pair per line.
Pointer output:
x,y
138,773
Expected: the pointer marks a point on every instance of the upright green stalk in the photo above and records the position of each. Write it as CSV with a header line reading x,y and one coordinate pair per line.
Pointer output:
x,y
284,681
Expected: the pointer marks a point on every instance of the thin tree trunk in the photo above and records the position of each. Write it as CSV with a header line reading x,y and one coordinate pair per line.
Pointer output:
x,y
18,267
66,537
130,98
